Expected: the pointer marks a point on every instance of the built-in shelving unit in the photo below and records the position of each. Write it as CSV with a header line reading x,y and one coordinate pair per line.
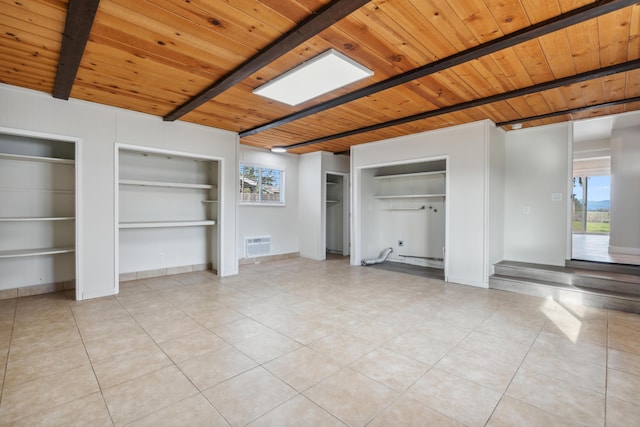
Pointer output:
x,y
168,211
406,207
414,185
37,212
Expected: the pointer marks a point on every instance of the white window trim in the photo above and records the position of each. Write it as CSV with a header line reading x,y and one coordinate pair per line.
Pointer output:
x,y
283,174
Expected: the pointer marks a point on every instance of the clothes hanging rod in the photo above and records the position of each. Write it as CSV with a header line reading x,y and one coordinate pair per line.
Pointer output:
x,y
405,209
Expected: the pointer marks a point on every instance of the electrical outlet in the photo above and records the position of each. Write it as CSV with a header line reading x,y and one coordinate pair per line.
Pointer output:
x,y
400,242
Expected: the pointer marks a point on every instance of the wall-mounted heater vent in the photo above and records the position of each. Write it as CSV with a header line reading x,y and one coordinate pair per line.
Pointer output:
x,y
257,246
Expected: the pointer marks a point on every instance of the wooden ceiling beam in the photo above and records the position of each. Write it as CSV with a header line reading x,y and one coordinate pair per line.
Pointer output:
x,y
77,27
576,16
565,81
571,111
314,24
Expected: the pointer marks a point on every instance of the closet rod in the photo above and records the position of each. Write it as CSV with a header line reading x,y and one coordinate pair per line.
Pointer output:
x,y
405,209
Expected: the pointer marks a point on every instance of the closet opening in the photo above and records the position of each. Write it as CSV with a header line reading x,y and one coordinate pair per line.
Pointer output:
x,y
337,215
168,206
404,209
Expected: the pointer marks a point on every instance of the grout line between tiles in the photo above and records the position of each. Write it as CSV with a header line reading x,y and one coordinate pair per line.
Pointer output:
x,y
6,363
92,368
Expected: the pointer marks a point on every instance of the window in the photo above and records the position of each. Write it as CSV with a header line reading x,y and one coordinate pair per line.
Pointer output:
x,y
591,196
261,185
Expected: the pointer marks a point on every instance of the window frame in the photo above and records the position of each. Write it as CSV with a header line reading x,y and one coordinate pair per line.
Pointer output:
x,y
260,202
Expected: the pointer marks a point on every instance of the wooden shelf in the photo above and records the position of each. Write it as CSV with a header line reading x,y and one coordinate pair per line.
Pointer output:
x,y
40,159
409,196
166,224
35,252
165,184
409,175
22,219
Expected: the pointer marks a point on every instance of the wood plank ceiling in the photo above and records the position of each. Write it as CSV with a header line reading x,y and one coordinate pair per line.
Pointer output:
x,y
157,56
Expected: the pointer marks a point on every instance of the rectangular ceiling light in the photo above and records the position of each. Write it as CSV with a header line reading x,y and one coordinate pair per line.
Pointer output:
x,y
326,72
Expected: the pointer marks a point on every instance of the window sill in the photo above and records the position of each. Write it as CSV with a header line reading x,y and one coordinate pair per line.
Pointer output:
x,y
273,205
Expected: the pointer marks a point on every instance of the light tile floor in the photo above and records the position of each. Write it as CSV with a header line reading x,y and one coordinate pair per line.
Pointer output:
x,y
305,343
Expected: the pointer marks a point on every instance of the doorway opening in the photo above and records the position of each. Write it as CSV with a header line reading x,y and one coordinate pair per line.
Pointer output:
x,y
604,199
337,215
590,217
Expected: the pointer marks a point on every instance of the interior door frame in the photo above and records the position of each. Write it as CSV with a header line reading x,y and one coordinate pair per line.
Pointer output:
x,y
346,212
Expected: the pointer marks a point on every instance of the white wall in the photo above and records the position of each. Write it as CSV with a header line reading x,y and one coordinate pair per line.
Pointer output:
x,y
496,197
99,128
279,222
625,196
311,208
537,169
465,148
335,163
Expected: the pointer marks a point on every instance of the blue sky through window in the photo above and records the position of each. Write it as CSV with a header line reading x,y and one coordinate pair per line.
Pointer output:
x,y
599,189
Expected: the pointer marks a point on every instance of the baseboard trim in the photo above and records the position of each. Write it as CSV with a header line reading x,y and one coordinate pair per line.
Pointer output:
x,y
624,250
158,272
266,258
43,288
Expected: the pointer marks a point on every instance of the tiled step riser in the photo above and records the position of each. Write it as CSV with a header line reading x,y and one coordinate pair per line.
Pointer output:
x,y
565,295
568,279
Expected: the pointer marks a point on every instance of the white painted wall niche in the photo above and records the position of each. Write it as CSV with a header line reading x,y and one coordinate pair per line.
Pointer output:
x,y
408,212
40,213
168,212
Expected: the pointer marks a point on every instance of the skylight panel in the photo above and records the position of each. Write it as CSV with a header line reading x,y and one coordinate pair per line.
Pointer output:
x,y
320,75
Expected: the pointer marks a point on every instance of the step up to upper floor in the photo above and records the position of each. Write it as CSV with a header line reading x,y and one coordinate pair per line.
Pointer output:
x,y
598,298
575,276
604,266
597,286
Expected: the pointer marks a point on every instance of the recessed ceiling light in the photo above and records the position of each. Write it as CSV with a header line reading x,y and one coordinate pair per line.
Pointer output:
x,y
278,150
516,126
326,72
